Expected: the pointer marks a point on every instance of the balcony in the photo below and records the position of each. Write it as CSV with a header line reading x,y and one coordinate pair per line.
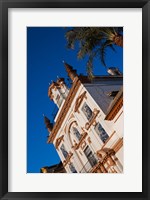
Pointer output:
x,y
92,118
81,140
111,141
65,162
90,164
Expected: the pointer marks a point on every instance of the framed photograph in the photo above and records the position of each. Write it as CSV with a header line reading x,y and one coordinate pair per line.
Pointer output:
x,y
74,99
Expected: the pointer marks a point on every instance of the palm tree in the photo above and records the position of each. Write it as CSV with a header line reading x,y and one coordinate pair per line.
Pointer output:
x,y
93,42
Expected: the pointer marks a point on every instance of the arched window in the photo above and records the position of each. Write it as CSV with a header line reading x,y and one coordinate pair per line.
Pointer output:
x,y
63,150
76,133
72,168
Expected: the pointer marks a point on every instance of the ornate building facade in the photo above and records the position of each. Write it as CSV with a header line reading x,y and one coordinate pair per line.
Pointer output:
x,y
88,128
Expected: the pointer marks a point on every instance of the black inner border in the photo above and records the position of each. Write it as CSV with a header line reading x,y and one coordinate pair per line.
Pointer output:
x,y
4,6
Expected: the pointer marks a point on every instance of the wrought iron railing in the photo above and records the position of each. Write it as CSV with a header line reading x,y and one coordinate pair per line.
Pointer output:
x,y
92,161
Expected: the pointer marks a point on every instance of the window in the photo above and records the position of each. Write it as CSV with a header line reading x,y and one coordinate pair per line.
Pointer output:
x,y
72,168
101,132
90,156
76,133
112,93
87,111
63,150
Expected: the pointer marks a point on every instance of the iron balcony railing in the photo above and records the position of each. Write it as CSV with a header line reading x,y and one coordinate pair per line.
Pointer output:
x,y
92,161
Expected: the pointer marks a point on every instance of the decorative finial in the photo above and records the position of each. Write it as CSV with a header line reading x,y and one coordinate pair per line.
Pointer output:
x,y
71,72
48,124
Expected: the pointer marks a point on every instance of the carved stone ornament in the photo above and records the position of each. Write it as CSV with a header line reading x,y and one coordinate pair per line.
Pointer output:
x,y
81,140
79,101
93,119
65,162
58,141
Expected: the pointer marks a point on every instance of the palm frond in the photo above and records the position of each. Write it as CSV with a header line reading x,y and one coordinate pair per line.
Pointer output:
x,y
71,38
111,46
93,42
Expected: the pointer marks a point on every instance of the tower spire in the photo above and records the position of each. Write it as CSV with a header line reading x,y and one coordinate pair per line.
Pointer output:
x,y
71,72
49,125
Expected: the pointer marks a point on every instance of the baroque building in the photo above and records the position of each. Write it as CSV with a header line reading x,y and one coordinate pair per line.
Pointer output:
x,y
88,128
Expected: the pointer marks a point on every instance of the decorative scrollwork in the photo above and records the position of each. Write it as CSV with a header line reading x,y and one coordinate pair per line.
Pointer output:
x,y
79,101
58,141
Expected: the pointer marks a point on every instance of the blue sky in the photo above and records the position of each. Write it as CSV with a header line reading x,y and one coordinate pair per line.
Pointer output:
x,y
46,49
